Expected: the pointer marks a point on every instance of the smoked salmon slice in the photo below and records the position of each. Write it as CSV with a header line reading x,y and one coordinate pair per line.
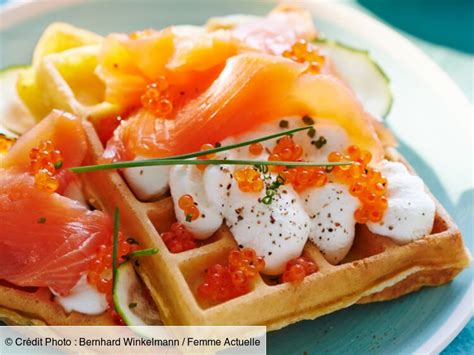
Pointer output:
x,y
63,129
46,240
191,57
185,55
66,133
253,88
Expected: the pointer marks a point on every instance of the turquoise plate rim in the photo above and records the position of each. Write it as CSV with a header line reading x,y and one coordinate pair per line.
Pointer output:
x,y
385,40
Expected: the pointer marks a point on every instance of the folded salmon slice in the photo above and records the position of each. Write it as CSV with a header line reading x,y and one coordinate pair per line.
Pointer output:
x,y
187,56
191,57
253,88
63,129
46,240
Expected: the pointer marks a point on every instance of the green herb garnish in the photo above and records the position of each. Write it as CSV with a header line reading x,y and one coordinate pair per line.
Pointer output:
x,y
189,218
184,159
262,168
42,220
132,305
272,188
143,252
167,162
58,164
178,159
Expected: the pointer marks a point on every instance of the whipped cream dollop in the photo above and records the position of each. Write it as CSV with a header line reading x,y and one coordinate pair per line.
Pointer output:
x,y
278,231
188,180
83,298
147,183
411,211
331,211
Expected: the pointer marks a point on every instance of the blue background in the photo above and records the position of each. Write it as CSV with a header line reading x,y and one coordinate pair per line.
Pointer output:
x,y
444,29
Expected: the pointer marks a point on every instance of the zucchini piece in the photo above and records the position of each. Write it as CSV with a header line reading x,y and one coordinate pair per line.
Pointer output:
x,y
129,299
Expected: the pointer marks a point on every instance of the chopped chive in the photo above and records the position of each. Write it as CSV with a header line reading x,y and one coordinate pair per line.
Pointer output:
x,y
143,252
132,305
189,218
42,220
308,120
283,124
217,145
167,162
115,245
267,200
58,164
263,169
280,180
270,192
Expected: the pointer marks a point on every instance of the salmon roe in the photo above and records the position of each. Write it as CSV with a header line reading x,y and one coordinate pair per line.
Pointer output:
x,y
205,147
45,161
188,206
156,98
297,269
365,183
304,52
303,177
224,282
285,150
300,177
249,180
255,149
5,143
100,270
179,239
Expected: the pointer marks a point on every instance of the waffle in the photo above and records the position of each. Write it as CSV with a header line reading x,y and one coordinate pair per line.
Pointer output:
x,y
376,269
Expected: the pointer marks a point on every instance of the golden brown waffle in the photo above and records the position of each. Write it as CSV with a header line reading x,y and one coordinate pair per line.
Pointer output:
x,y
376,269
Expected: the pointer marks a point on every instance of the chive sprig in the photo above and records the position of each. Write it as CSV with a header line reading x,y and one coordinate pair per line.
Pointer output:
x,y
186,159
166,162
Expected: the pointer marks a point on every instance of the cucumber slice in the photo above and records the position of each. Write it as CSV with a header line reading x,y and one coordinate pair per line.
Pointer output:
x,y
129,299
15,119
363,74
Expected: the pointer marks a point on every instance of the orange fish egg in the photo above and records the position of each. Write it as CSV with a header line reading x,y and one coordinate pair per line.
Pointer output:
x,y
156,98
304,52
365,183
249,180
188,206
224,282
